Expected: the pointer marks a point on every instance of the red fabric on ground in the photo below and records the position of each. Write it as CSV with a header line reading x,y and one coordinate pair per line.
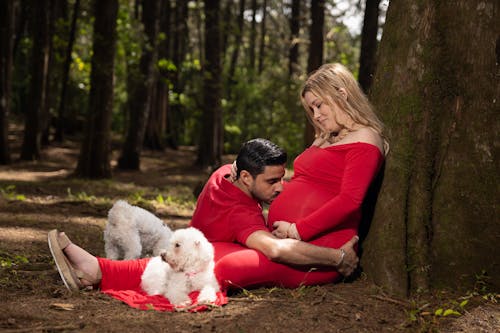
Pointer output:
x,y
122,280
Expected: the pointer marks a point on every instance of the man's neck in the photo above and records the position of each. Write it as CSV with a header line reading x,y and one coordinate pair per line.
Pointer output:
x,y
239,184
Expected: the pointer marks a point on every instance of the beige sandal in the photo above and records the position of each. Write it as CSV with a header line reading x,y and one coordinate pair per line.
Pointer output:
x,y
70,276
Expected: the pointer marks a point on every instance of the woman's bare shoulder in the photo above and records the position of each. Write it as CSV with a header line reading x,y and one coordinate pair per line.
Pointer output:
x,y
367,135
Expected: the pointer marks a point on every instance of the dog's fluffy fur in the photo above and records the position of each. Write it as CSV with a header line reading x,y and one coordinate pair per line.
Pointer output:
x,y
185,266
132,232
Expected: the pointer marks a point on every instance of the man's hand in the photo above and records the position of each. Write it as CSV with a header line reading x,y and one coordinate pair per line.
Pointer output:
x,y
283,229
350,261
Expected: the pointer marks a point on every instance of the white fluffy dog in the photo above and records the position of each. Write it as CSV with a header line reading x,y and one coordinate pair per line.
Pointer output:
x,y
133,232
185,266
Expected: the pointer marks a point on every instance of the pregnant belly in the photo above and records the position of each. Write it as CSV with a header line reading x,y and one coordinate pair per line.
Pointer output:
x,y
296,201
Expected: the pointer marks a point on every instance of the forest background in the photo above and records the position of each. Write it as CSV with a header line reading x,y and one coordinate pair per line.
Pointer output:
x,y
121,77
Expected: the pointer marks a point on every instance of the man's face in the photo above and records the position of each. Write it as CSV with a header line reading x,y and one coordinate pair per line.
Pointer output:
x,y
267,185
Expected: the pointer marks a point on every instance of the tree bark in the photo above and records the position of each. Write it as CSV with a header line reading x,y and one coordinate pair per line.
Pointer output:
x,y
253,37
263,32
94,159
6,55
59,134
315,57
238,37
437,88
368,52
140,100
31,145
293,55
157,121
180,34
211,141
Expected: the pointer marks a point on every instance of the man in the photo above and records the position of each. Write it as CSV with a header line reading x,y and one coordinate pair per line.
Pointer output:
x,y
229,211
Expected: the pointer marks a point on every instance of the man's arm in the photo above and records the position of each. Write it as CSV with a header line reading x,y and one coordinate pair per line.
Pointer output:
x,y
292,251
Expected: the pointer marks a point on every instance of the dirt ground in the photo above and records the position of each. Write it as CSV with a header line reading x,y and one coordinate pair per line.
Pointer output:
x,y
36,197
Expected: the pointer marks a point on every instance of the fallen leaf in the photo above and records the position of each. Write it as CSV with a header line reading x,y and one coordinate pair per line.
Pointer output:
x,y
63,306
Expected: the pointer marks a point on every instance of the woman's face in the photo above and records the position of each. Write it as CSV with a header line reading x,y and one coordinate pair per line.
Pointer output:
x,y
330,119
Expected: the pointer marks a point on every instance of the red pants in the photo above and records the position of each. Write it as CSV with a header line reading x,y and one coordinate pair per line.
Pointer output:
x,y
235,267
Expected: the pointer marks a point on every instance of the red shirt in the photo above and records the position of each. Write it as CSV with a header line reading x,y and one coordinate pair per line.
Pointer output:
x,y
224,213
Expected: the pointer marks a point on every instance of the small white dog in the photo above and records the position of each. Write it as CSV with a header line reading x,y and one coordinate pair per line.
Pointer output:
x,y
186,265
132,232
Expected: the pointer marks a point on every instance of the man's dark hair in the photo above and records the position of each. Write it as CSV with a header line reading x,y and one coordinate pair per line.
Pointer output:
x,y
256,154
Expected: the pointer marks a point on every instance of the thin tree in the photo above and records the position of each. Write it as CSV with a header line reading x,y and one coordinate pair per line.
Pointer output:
x,y
211,141
263,33
180,35
157,121
6,55
31,145
253,37
436,86
293,55
140,100
315,54
61,114
368,52
238,38
94,159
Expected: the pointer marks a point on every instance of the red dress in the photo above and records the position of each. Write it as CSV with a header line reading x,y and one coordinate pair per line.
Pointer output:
x,y
324,198
325,194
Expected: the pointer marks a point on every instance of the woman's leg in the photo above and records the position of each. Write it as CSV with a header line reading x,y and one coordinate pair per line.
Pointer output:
x,y
105,273
83,261
240,267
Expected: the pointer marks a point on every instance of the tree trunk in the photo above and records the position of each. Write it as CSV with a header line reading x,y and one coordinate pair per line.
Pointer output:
x,y
238,37
437,87
253,37
262,49
140,100
157,121
368,52
6,55
61,114
30,149
210,149
293,55
315,58
94,159
175,117
226,27
57,12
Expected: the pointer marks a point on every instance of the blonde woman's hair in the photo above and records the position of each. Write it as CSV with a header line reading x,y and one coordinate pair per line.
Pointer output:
x,y
325,83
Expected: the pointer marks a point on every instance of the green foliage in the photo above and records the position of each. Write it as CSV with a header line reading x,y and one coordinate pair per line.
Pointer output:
x,y
482,287
8,260
80,196
264,106
9,193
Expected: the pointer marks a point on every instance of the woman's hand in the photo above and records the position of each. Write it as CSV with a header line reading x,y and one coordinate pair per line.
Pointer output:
x,y
283,229
234,171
